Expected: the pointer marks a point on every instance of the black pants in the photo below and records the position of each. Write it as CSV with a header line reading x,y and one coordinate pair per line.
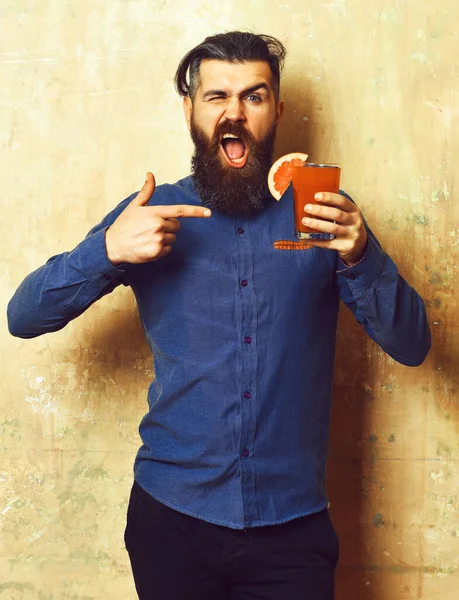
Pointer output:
x,y
177,557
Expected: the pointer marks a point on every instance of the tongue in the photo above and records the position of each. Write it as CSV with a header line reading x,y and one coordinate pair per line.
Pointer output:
x,y
234,148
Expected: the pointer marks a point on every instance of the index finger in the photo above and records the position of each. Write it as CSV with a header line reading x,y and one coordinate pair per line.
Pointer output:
x,y
180,211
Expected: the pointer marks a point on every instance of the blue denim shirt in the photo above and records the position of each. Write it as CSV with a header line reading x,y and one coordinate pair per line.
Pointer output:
x,y
243,339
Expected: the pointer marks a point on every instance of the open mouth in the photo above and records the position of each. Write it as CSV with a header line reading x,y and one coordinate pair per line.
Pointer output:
x,y
234,150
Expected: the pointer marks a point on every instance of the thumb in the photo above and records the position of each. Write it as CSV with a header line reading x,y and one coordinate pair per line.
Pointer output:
x,y
146,192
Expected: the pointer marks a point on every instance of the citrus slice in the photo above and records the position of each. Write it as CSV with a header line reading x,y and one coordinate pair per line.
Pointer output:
x,y
280,174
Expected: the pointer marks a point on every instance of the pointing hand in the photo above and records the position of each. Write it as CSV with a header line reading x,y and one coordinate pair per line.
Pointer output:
x,y
144,233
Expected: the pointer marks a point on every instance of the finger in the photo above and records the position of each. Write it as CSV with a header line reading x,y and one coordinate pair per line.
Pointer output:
x,y
146,192
335,200
180,211
169,239
164,252
171,225
152,220
324,226
329,213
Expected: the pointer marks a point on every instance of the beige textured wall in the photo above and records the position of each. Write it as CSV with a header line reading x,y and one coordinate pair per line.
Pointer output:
x,y
86,107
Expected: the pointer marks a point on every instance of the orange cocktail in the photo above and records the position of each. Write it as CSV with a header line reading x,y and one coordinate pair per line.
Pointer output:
x,y
307,181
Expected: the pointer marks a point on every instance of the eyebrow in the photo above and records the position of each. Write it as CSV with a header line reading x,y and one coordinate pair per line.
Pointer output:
x,y
223,94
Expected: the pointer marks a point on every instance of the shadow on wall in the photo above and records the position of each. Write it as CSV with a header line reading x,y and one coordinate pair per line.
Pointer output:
x,y
349,466
108,363
300,131
299,124
444,380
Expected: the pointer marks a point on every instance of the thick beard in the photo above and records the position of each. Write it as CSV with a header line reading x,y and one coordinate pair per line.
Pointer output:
x,y
230,190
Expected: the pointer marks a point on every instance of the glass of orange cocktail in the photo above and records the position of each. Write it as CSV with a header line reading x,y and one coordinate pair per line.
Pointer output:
x,y
307,181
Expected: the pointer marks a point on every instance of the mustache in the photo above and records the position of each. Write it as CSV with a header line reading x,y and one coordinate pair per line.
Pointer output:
x,y
236,129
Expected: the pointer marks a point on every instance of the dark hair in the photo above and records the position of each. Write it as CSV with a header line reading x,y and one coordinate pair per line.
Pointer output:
x,y
234,47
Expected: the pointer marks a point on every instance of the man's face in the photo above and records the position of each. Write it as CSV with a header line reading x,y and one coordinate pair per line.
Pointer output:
x,y
233,119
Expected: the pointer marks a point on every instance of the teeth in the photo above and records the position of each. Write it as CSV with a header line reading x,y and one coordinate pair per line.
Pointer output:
x,y
230,135
237,160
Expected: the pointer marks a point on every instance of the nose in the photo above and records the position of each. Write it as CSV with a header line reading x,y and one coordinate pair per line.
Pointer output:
x,y
235,110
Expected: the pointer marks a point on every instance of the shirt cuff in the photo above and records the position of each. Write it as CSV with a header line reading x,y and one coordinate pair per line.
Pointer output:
x,y
94,260
364,273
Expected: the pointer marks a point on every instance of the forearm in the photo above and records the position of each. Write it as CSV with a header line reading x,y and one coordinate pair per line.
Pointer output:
x,y
391,311
62,289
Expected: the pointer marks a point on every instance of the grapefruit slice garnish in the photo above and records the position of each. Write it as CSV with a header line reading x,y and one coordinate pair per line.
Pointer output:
x,y
280,174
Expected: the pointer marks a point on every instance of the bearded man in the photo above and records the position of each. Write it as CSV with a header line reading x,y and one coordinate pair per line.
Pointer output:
x,y
229,499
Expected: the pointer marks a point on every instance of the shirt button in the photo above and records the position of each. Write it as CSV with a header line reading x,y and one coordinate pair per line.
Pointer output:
x,y
247,394
351,276
240,230
244,282
248,340
245,453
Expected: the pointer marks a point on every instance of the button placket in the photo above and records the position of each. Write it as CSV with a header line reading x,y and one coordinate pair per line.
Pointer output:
x,y
248,304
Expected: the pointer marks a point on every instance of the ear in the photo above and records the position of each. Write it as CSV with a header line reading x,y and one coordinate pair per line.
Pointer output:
x,y
188,110
279,111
